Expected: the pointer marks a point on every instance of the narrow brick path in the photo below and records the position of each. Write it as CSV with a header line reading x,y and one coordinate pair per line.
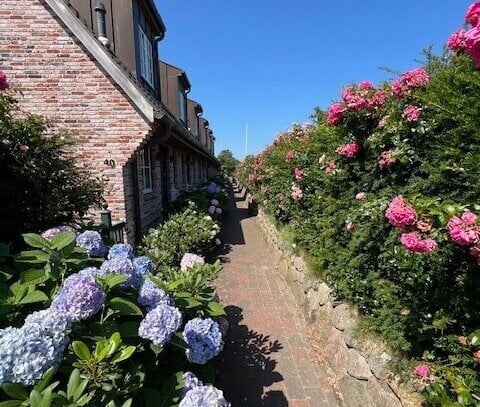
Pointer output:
x,y
267,359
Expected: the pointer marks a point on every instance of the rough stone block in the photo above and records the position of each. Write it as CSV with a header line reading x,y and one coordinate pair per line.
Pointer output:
x,y
357,366
336,352
379,365
381,395
342,317
354,392
311,306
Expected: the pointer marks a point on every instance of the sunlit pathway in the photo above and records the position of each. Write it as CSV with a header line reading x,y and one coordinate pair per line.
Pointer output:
x,y
266,360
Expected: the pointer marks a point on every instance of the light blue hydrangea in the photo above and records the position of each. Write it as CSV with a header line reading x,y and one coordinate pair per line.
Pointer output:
x,y
160,324
80,298
49,234
26,353
92,242
204,396
150,296
213,188
123,266
120,250
189,382
204,340
91,271
142,265
189,260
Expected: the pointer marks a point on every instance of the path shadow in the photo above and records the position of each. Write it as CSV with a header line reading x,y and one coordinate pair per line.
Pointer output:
x,y
247,365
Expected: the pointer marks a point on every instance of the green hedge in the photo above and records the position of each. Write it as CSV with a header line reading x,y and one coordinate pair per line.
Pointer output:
x,y
424,304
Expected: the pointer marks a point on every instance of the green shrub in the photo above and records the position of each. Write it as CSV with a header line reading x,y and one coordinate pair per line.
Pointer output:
x,y
191,231
40,185
416,300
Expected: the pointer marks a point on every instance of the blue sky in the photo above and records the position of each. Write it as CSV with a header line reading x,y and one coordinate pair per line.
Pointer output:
x,y
268,63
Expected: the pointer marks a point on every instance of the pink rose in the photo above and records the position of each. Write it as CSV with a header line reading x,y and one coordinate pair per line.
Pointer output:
x,y
422,371
3,81
472,44
383,122
469,218
218,211
412,113
414,243
386,159
299,174
280,197
350,227
464,233
475,252
24,148
297,193
378,99
400,214
473,14
365,85
348,150
456,42
6,142
330,167
289,156
211,210
322,159
361,196
335,114
424,225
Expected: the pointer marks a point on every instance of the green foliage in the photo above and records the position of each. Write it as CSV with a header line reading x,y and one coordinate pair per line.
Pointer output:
x,y
40,187
415,301
227,161
188,232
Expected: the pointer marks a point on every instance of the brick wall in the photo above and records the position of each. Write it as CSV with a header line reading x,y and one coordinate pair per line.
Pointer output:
x,y
61,81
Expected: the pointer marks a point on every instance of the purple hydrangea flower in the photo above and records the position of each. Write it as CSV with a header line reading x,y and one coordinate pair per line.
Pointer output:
x,y
204,396
150,296
189,260
160,324
120,250
142,265
204,340
189,382
91,271
123,266
50,233
26,353
92,242
80,298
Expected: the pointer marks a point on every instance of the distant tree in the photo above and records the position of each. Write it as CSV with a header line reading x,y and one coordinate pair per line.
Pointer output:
x,y
228,161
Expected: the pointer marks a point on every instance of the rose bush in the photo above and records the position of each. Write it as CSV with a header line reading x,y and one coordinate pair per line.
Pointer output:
x,y
405,249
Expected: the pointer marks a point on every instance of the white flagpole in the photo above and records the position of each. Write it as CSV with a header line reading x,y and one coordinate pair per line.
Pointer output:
x,y
246,139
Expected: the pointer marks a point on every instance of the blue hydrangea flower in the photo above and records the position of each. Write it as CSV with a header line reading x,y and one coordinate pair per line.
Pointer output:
x,y
189,260
204,340
80,298
123,266
213,188
92,242
120,250
150,296
26,353
160,324
50,233
91,271
204,396
189,382
142,265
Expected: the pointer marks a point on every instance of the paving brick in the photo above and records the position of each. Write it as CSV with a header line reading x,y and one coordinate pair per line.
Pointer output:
x,y
266,360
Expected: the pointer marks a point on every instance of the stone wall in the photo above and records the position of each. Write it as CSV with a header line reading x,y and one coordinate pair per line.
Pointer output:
x,y
358,365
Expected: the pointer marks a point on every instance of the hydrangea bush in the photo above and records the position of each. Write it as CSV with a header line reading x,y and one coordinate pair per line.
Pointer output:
x,y
77,328
386,209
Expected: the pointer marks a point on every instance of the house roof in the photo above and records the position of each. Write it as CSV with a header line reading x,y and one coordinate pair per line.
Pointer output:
x,y
181,74
144,101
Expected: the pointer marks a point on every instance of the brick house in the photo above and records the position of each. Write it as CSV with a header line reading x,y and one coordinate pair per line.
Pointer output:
x,y
92,67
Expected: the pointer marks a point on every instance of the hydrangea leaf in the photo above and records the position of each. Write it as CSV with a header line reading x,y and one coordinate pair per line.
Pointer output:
x,y
35,240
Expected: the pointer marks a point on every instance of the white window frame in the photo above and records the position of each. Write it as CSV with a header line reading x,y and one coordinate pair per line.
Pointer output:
x,y
146,165
146,57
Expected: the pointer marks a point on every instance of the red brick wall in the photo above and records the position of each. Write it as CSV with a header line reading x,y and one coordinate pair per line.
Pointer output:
x,y
61,81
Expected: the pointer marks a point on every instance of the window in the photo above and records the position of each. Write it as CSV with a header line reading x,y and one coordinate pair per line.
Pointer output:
x,y
182,101
146,57
146,170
